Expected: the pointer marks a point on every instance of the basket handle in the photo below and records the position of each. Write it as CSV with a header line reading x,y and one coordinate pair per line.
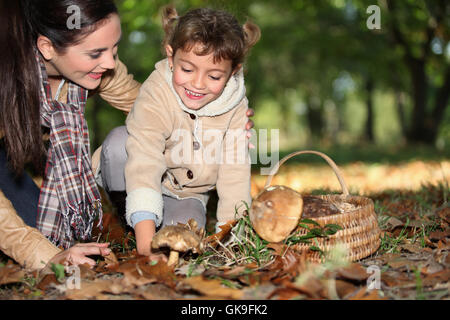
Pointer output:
x,y
324,156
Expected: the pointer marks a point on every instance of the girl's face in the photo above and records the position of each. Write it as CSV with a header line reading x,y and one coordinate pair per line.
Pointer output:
x,y
85,63
197,79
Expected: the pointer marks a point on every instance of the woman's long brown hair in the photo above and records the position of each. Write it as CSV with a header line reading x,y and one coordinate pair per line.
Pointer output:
x,y
19,89
21,22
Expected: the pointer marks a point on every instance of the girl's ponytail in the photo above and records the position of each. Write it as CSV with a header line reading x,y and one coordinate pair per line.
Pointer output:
x,y
252,35
19,90
169,18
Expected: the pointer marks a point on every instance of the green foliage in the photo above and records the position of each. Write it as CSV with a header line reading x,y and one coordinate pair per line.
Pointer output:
x,y
59,271
313,232
308,74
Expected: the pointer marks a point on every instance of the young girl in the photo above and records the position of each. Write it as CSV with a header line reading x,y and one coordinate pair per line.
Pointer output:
x,y
186,129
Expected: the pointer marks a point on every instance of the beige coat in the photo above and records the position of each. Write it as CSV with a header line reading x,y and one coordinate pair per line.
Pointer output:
x,y
27,245
175,151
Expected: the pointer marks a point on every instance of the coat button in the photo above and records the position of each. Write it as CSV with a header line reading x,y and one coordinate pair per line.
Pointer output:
x,y
192,116
190,175
196,145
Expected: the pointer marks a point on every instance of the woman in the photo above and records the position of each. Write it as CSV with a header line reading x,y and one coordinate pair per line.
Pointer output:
x,y
46,75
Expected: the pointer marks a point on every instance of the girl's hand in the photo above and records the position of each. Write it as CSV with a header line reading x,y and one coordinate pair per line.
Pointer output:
x,y
77,254
249,126
158,257
250,113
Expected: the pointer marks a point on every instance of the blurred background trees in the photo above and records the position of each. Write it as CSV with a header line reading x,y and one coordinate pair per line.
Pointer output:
x,y
319,74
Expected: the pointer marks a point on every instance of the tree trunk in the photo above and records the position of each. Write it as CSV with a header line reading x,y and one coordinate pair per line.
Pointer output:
x,y
315,116
418,130
370,118
400,104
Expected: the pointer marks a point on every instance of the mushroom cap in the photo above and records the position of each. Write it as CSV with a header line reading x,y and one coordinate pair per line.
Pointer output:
x,y
275,212
177,238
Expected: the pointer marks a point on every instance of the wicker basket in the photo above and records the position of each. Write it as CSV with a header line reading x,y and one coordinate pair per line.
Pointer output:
x,y
360,232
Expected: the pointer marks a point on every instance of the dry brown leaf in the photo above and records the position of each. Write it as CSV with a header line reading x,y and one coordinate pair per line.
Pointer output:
x,y
313,287
438,277
11,273
112,229
364,294
285,294
111,261
413,248
439,235
353,272
402,262
288,264
212,287
394,279
213,240
279,248
95,289
344,288
160,271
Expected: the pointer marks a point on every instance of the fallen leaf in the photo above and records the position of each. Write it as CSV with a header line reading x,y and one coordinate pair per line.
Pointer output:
x,y
212,287
312,287
444,214
413,248
285,294
393,223
395,278
111,261
11,273
94,289
364,294
160,272
214,239
112,229
344,288
279,248
438,277
353,272
439,235
401,263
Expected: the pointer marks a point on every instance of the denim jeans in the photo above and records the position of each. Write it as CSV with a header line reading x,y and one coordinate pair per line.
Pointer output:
x,y
21,191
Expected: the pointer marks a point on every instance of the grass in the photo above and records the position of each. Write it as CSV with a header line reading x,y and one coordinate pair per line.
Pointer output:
x,y
424,207
244,246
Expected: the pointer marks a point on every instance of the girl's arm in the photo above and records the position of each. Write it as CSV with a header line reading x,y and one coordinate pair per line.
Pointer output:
x,y
233,181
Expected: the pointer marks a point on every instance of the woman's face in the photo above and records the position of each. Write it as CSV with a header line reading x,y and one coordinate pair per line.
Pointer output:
x,y
197,79
85,62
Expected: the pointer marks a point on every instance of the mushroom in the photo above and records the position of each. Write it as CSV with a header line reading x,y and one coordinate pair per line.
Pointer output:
x,y
179,238
275,212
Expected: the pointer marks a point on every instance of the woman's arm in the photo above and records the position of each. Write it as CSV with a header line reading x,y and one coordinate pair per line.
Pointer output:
x,y
26,245
119,88
32,250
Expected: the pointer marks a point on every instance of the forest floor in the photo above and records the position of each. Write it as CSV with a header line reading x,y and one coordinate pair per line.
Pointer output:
x,y
411,200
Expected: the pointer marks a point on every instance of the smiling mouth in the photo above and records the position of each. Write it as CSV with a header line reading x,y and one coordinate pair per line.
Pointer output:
x,y
95,75
194,95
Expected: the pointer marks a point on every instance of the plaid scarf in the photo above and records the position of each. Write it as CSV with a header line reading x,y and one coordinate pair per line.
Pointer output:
x,y
69,199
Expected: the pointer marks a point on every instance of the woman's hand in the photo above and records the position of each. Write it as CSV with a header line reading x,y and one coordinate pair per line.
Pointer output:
x,y
78,254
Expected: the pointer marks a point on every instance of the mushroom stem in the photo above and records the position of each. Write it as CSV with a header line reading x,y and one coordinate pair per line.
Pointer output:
x,y
173,258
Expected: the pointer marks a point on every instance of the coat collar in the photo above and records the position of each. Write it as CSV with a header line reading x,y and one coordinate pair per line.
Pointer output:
x,y
231,96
